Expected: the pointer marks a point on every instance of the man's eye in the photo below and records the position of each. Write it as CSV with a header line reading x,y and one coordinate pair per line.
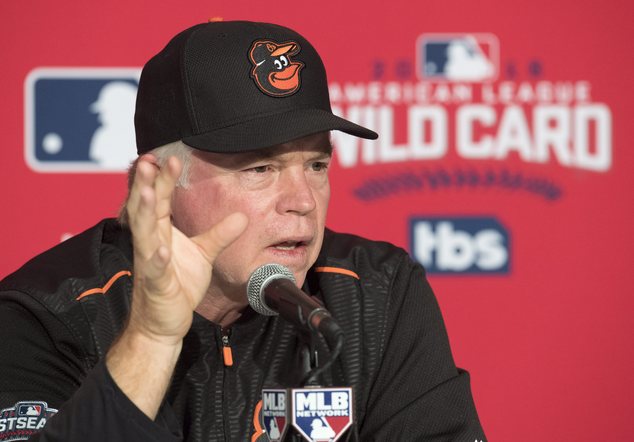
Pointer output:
x,y
259,169
319,166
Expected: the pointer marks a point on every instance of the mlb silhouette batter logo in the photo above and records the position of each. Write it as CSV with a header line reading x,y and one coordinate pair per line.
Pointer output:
x,y
458,57
322,414
30,410
80,119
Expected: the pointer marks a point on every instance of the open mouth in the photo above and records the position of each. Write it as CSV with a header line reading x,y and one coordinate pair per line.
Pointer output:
x,y
289,245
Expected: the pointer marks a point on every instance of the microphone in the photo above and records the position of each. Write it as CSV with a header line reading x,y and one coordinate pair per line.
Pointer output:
x,y
271,290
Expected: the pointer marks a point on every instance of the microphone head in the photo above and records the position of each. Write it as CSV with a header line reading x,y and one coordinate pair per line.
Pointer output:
x,y
258,281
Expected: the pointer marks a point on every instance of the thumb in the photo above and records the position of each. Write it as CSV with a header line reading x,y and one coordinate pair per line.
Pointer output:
x,y
221,235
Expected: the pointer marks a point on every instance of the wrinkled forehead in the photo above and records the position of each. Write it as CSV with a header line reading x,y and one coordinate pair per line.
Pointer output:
x,y
319,144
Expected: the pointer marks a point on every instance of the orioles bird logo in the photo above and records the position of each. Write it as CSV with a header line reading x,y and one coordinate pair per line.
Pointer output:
x,y
273,70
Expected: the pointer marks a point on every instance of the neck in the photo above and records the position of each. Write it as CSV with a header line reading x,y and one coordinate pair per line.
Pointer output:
x,y
221,310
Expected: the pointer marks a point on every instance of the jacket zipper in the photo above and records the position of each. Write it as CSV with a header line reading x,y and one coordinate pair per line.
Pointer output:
x,y
227,354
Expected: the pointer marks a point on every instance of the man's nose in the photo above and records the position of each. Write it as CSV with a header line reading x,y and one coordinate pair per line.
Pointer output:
x,y
296,193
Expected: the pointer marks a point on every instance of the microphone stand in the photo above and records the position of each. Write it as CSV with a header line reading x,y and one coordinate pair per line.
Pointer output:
x,y
311,372
309,362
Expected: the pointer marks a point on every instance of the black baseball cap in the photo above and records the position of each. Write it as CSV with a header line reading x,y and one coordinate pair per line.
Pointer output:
x,y
235,86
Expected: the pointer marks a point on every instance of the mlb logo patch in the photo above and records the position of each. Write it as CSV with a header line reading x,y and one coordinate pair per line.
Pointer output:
x,y
458,57
322,414
23,420
274,411
30,410
80,119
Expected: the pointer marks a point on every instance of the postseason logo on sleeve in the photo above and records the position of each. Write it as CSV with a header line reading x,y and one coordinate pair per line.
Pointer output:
x,y
322,414
23,420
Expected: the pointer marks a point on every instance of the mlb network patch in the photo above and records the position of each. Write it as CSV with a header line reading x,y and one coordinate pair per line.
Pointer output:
x,y
80,119
322,414
274,413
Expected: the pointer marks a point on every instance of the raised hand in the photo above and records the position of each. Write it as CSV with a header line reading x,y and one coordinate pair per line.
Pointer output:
x,y
171,276
171,272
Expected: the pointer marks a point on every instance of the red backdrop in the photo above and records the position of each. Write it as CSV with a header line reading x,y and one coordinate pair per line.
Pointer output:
x,y
534,150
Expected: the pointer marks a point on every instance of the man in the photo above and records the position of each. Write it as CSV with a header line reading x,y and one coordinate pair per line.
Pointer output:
x,y
141,330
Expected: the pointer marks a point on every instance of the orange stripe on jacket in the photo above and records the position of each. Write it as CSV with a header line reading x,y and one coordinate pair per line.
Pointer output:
x,y
337,270
106,287
259,431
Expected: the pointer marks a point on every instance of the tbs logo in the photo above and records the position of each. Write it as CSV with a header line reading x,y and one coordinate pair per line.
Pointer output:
x,y
465,245
80,119
457,57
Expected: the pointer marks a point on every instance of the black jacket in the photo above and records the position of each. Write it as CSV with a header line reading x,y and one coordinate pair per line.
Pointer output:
x,y
61,311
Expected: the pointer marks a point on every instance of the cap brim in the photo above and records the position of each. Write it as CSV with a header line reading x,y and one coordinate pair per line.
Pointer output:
x,y
272,130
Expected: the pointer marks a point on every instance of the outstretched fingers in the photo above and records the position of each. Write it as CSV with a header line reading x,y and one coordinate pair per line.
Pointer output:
x,y
141,209
149,207
164,186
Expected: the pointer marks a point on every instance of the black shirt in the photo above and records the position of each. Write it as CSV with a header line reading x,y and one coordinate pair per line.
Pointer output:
x,y
60,313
